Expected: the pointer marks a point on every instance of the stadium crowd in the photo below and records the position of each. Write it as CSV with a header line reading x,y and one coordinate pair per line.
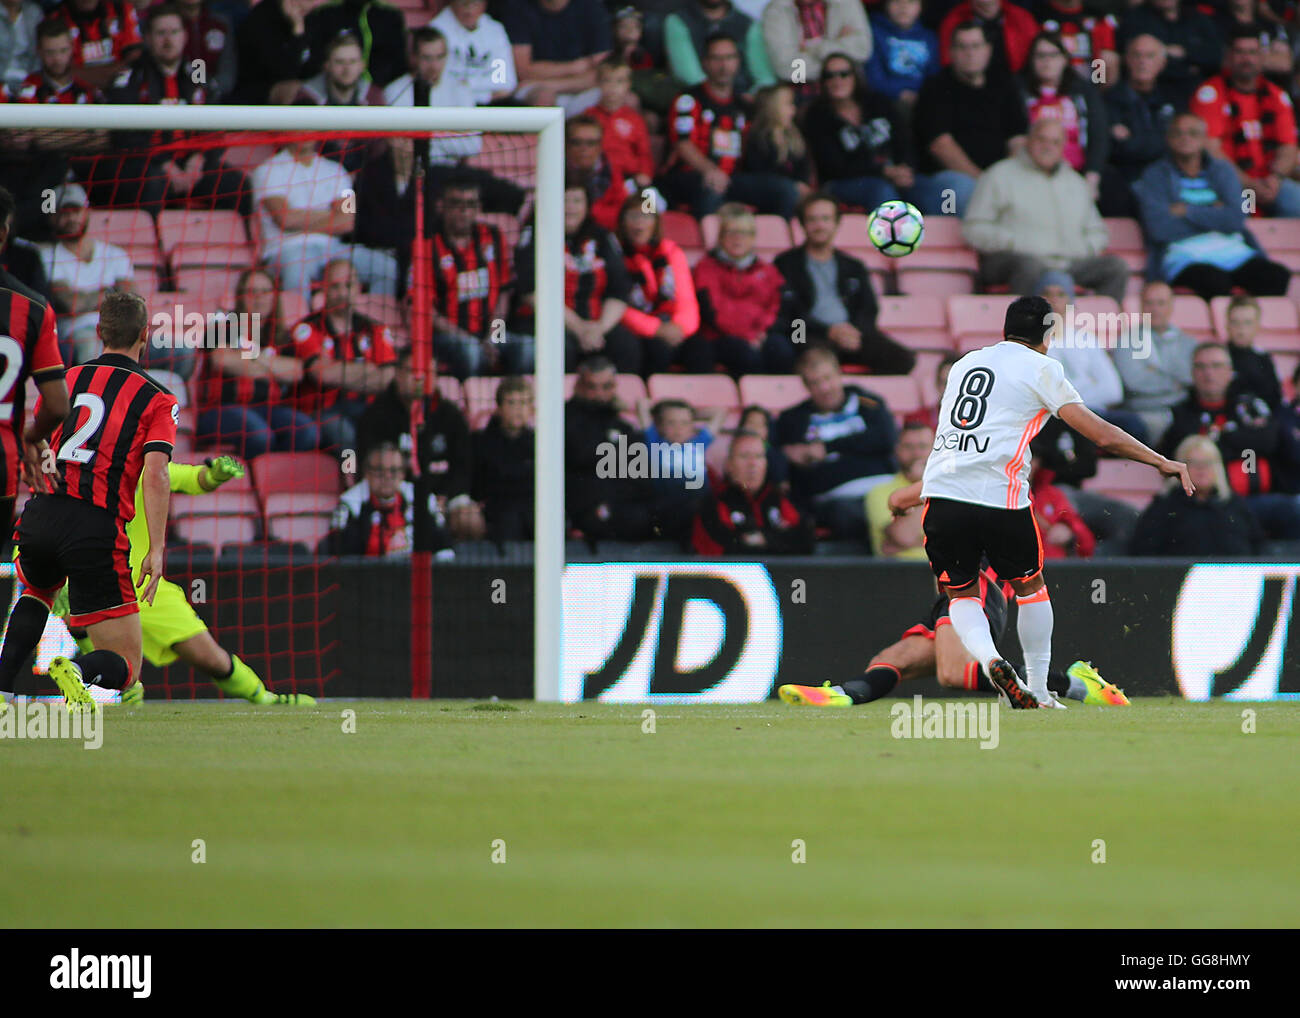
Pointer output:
x,y
719,158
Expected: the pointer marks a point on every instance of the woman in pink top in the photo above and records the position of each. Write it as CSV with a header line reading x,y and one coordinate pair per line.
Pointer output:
x,y
1052,88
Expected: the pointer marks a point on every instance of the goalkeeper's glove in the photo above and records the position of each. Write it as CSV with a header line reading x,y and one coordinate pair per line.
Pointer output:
x,y
223,469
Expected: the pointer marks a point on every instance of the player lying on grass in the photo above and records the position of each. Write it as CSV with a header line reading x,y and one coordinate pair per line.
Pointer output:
x,y
932,647
172,630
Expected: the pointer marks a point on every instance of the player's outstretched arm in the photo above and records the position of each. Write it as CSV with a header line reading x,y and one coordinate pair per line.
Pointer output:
x,y
1114,440
157,497
903,499
216,472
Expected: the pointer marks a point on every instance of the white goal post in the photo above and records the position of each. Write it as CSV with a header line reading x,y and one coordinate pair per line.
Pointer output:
x,y
548,124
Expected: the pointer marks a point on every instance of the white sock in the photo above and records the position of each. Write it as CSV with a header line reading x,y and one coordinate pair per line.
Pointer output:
x,y
972,628
1035,628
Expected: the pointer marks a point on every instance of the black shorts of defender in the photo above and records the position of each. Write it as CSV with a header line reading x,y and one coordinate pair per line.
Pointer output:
x,y
959,534
64,538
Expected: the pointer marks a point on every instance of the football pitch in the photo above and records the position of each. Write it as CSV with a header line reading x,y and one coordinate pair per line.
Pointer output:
x,y
521,814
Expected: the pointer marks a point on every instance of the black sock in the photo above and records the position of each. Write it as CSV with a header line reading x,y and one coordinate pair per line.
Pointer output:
x,y
104,668
874,683
1058,683
26,624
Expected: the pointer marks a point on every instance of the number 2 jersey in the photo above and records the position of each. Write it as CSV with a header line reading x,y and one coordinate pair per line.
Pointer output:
x,y
995,402
118,414
29,347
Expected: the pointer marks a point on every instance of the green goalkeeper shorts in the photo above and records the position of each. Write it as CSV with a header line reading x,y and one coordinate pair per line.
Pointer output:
x,y
170,620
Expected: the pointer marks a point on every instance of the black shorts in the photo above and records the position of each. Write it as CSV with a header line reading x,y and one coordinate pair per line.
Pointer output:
x,y
959,534
61,538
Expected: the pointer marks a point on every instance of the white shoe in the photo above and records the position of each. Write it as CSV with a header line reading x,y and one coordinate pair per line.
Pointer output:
x,y
1048,700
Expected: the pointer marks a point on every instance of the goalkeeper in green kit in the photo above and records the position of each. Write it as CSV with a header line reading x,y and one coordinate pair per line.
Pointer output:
x,y
171,628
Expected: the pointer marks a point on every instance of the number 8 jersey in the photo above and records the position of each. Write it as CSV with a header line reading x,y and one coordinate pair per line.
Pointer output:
x,y
997,399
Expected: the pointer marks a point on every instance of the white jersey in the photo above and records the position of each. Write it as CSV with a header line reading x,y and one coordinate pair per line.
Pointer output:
x,y
997,399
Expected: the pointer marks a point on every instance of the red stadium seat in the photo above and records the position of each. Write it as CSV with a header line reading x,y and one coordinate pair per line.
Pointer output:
x,y
216,503
1126,241
700,391
1280,239
940,283
388,310
774,392
773,236
903,313
1134,483
217,531
213,286
192,237
450,390
977,315
681,228
943,233
296,471
309,529
976,341
630,389
1279,322
1191,314
900,392
130,229
298,503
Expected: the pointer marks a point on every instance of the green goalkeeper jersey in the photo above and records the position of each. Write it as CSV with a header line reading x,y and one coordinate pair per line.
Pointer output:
x,y
184,480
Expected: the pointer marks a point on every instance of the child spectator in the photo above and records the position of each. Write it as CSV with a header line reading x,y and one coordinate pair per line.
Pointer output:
x,y
739,296
904,52
1253,369
774,164
652,86
677,446
503,464
661,304
759,420
626,141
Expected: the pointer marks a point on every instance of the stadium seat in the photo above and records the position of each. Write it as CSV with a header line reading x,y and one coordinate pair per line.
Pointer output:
x,y
700,391
212,286
194,237
217,531
682,229
943,233
773,236
630,389
900,392
300,503
130,229
923,374
1134,483
296,471
388,310
976,341
1191,314
216,503
901,313
1279,322
1127,242
450,389
1280,238
775,392
977,320
934,282
307,529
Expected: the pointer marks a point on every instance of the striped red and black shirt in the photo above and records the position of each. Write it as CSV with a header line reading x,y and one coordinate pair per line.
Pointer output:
x,y
29,347
37,88
118,414
714,125
593,271
468,279
314,338
103,35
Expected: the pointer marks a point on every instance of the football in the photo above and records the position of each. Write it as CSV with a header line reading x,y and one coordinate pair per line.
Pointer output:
x,y
896,228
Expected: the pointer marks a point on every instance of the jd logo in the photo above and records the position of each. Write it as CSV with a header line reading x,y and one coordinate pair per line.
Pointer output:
x,y
676,632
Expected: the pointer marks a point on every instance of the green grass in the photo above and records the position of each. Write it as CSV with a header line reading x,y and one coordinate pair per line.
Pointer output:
x,y
691,826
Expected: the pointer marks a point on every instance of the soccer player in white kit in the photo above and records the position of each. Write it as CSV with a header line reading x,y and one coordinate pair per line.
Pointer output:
x,y
976,489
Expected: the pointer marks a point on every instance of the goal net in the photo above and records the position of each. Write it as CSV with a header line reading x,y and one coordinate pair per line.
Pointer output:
x,y
340,301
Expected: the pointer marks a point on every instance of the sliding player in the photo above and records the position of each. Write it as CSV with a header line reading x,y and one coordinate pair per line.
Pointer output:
x,y
932,648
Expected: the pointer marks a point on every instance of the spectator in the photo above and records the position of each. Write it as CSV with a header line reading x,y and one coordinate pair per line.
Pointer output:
x,y
706,133
759,420
1032,212
249,376
1213,522
739,297
79,268
385,190
686,34
1288,458
1158,373
625,140
677,446
504,464
774,162
210,39
347,358
904,53
143,176
1252,369
900,537
1064,534
840,444
1140,109
274,51
479,54
1192,45
929,415
661,306
1089,36
1195,229
828,296
595,288
307,205
584,156
653,86
381,29
18,21
602,503
557,45
105,38
445,454
748,514
376,518
858,142
1247,434
471,284
1009,30
800,34
1087,365
1258,16
1251,123
966,120
1052,90
343,81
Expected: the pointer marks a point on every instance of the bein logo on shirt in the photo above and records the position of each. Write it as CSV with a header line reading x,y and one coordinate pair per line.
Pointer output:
x,y
74,971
